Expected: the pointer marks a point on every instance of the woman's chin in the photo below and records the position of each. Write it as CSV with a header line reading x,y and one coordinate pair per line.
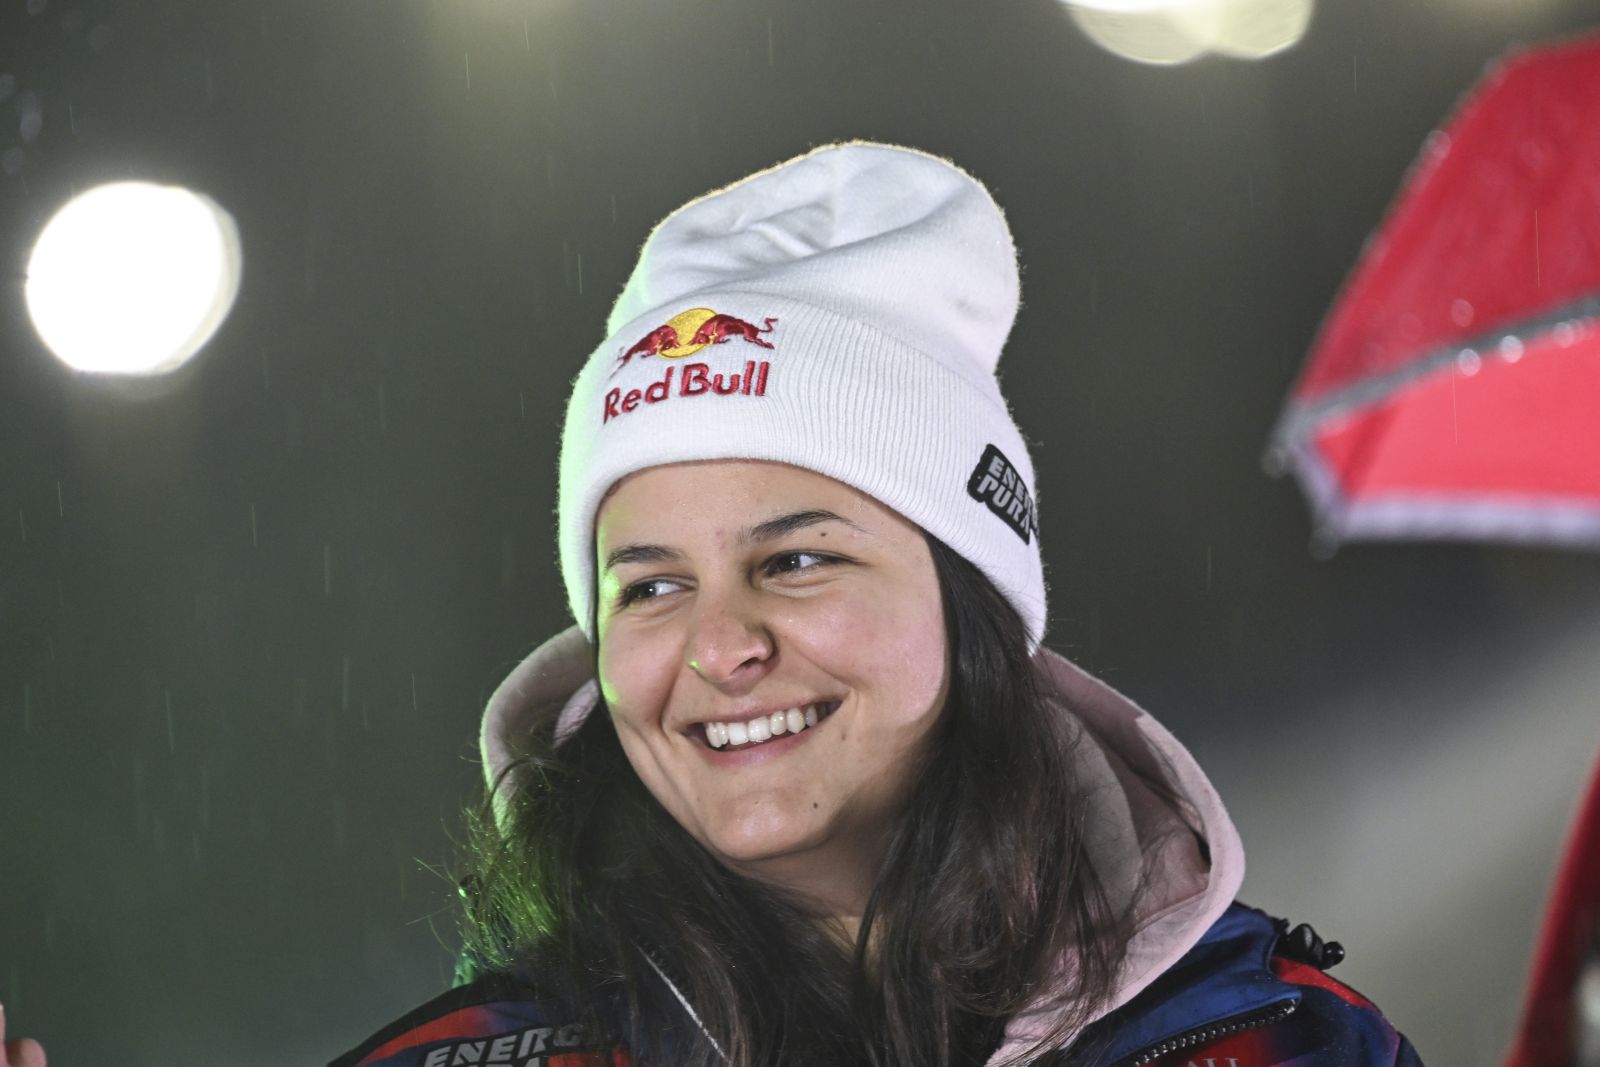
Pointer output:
x,y
748,849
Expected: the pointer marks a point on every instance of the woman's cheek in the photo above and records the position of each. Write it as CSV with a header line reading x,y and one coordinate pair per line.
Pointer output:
x,y
636,672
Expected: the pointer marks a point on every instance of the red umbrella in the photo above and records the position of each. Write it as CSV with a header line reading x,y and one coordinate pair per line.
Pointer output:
x,y
1551,1028
1454,388
1454,392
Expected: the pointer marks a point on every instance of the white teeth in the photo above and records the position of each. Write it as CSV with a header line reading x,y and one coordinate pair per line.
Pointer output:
x,y
792,721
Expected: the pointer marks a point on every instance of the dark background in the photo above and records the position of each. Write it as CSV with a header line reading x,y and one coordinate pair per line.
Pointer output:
x,y
248,618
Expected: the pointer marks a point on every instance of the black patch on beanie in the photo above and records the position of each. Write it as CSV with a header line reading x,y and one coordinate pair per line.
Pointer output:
x,y
1000,485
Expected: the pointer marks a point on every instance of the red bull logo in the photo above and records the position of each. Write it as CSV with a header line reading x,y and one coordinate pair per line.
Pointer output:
x,y
703,327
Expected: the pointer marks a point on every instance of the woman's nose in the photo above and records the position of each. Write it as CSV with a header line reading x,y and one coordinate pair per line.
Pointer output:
x,y
729,644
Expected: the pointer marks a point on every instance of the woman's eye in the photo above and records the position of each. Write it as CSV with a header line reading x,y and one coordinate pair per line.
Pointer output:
x,y
636,591
773,563
783,563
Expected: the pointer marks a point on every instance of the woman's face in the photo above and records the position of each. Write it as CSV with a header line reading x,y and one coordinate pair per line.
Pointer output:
x,y
733,589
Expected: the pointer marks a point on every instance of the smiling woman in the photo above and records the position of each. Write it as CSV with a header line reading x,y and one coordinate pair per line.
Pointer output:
x,y
854,639
802,785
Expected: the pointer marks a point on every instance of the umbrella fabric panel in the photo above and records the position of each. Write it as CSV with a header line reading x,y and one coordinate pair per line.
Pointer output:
x,y
1529,428
1498,226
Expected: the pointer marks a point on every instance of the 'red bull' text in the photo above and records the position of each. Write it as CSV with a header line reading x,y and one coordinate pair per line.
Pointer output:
x,y
697,379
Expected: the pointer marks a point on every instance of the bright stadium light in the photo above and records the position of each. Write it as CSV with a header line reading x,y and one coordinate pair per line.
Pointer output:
x,y
1247,29
133,278
1168,32
1152,35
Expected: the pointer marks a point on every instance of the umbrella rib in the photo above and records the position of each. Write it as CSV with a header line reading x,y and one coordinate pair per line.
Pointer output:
x,y
1300,420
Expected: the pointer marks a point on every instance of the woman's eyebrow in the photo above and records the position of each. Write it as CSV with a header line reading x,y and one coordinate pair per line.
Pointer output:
x,y
770,530
784,525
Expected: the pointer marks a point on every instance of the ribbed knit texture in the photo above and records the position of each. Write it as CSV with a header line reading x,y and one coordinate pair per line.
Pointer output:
x,y
892,280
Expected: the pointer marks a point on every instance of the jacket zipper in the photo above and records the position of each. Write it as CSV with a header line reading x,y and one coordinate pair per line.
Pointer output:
x,y
1254,1021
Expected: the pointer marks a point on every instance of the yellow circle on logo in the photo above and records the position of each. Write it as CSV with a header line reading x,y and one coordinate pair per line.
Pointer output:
x,y
687,323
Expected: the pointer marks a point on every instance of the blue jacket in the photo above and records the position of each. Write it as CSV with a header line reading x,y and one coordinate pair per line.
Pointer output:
x,y
1244,996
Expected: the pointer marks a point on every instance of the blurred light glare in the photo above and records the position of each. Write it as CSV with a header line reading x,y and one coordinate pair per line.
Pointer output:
x,y
1133,7
1153,36
133,278
1167,32
1251,29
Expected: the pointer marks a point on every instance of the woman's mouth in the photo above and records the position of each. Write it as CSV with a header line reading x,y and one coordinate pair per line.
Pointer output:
x,y
756,731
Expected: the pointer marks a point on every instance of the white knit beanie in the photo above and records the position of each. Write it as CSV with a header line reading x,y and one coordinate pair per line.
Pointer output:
x,y
843,312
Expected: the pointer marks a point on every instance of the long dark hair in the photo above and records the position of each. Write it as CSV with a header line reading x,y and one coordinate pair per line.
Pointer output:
x,y
985,889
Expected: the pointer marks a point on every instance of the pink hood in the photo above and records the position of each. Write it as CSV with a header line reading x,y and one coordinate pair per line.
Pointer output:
x,y
1136,835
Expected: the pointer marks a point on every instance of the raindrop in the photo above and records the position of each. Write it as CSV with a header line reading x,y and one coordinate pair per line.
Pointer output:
x,y
8,85
254,540
32,121
99,37
36,7
327,570
1565,334
22,521
172,741
1510,348
72,22
1461,312
1468,361
61,507
11,161
27,708
340,820
344,686
1438,144
205,796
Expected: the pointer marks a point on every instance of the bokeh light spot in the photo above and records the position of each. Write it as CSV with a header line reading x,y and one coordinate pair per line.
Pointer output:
x,y
1146,36
1248,29
1175,31
133,278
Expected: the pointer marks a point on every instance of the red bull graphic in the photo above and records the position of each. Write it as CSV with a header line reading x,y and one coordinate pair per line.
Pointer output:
x,y
704,328
718,328
657,340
